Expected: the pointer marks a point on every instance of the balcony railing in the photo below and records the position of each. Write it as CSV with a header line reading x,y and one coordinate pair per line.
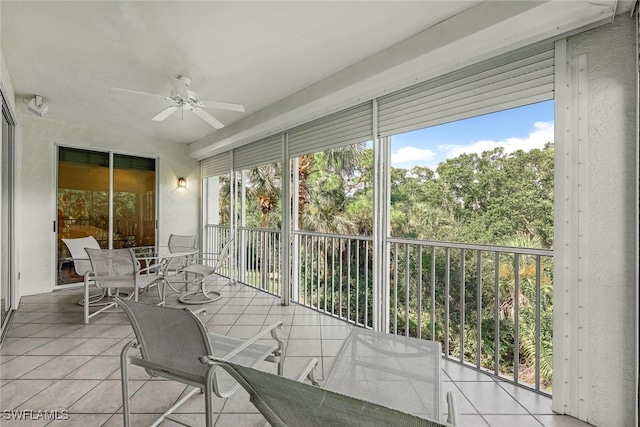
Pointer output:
x,y
490,306
257,258
334,275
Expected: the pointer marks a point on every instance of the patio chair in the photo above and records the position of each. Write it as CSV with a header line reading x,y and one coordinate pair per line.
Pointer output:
x,y
173,342
177,243
117,270
81,263
201,267
285,402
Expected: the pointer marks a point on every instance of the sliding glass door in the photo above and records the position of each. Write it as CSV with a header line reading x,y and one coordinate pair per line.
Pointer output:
x,y
7,283
109,196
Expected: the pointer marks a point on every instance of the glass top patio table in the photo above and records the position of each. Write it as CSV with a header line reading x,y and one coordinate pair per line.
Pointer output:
x,y
163,252
398,372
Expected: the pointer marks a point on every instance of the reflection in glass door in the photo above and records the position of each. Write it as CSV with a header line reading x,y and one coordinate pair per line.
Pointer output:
x,y
6,218
119,215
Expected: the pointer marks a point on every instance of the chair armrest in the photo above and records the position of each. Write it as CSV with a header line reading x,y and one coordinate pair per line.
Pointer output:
x,y
271,329
307,372
153,268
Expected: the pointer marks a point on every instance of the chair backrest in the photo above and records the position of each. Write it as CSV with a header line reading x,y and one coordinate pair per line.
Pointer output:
x,y
177,241
113,268
223,255
77,250
285,402
172,337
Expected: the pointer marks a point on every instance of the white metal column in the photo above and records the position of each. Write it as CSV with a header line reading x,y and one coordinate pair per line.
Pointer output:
x,y
242,240
285,233
380,303
233,221
295,260
570,364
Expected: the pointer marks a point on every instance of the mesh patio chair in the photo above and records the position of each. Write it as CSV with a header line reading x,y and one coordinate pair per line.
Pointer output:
x,y
177,243
173,342
118,270
81,263
285,402
199,269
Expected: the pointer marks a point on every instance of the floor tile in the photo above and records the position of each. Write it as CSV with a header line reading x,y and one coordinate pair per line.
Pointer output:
x,y
105,398
19,366
251,319
458,372
472,421
57,346
25,329
560,421
464,406
533,402
56,368
17,392
156,396
93,347
489,398
306,333
98,368
81,420
309,348
56,330
22,346
60,395
511,420
116,420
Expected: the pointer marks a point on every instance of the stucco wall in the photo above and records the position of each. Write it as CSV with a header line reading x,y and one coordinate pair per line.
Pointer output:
x,y
178,207
611,222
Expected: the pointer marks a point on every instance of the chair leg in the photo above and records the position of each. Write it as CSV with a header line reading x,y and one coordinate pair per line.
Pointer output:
x,y
86,299
208,402
124,372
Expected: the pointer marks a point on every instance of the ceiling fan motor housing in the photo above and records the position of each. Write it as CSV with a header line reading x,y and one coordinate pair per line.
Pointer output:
x,y
192,99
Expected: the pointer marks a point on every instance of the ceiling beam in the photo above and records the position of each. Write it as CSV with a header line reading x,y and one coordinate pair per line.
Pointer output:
x,y
486,30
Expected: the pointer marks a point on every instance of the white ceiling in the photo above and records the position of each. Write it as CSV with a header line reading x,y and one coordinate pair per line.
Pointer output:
x,y
254,53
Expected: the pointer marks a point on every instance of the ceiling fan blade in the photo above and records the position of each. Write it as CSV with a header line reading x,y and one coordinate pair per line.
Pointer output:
x,y
137,92
222,105
180,87
208,118
165,113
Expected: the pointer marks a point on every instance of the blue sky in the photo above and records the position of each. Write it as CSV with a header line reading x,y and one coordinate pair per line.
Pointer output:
x,y
524,128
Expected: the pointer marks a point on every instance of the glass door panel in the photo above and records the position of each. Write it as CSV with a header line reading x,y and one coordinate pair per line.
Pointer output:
x,y
83,203
134,205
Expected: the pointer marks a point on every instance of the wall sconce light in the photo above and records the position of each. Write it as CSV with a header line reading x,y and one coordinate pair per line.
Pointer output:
x,y
182,182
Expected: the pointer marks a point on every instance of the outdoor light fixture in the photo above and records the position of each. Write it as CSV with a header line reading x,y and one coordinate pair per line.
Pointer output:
x,y
37,106
182,182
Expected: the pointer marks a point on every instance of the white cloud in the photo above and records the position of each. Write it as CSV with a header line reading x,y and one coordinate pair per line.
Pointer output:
x,y
541,133
412,155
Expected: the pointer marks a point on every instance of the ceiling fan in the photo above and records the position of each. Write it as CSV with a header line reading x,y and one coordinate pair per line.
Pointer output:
x,y
186,100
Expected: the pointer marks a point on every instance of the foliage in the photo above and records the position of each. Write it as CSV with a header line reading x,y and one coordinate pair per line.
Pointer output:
x,y
493,198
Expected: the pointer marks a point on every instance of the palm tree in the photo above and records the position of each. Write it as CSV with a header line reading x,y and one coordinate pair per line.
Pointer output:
x,y
527,307
264,183
342,162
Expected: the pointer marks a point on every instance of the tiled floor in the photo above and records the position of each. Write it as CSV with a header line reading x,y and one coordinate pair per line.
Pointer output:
x,y
50,361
